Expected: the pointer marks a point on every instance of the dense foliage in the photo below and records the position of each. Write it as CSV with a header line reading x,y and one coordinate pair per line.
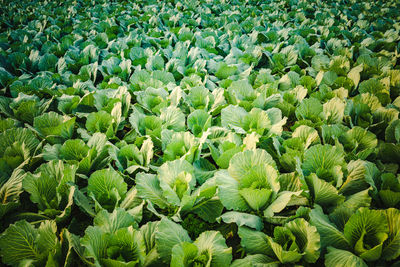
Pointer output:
x,y
200,133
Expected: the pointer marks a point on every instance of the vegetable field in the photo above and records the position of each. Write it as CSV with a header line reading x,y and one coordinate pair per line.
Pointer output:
x,y
200,133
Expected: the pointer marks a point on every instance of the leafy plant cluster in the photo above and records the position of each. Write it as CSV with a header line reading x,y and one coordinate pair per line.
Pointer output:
x,y
200,133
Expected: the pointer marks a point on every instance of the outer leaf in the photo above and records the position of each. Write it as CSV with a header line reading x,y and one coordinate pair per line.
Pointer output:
x,y
284,256
148,233
324,160
256,260
213,244
307,134
307,238
233,117
10,191
342,258
392,132
242,219
47,239
309,109
366,230
343,212
173,119
183,254
254,242
280,203
54,126
375,87
361,175
107,186
176,180
334,110
100,122
229,192
354,74
199,97
167,236
330,235
391,248
49,185
359,142
125,248
209,209
111,222
198,122
73,149
95,242
148,187
21,135
18,243
224,71
324,193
